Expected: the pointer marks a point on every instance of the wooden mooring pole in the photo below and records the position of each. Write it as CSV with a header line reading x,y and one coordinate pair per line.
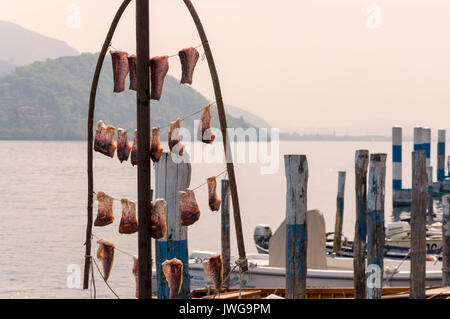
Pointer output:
x,y
430,208
90,138
145,192
360,240
375,226
225,230
339,214
418,228
170,178
296,168
446,241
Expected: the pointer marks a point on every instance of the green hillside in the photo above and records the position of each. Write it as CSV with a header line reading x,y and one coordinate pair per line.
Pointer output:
x,y
49,101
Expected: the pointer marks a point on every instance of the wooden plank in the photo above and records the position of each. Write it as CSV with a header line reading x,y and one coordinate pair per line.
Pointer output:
x,y
170,178
90,136
375,226
296,169
339,214
418,228
225,231
360,240
223,127
143,127
446,242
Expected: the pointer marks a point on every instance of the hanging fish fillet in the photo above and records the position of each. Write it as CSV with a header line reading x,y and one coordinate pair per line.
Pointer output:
x,y
173,270
120,69
204,132
175,138
105,215
104,139
190,212
136,274
213,201
132,67
155,145
128,222
214,271
158,227
159,66
134,149
105,254
189,58
123,145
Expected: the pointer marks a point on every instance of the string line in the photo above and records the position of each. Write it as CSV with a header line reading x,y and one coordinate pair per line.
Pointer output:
x,y
116,248
98,268
170,56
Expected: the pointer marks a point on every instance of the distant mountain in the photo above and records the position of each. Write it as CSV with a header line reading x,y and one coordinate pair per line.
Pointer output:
x,y
6,67
21,46
49,101
247,116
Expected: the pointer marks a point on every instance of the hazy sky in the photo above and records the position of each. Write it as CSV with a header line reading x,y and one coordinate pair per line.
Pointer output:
x,y
311,65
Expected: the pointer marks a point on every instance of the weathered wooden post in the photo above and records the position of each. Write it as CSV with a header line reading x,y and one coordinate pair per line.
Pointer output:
x,y
170,178
225,230
446,241
296,168
430,208
441,155
375,226
418,230
144,191
360,241
339,214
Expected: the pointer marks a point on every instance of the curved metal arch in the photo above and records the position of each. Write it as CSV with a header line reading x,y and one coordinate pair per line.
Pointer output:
x,y
90,132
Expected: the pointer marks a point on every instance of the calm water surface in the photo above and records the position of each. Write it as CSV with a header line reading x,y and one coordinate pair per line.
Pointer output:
x,y
43,220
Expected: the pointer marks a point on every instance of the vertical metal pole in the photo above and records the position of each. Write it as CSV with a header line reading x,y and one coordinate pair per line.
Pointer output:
x,y
226,142
296,168
225,230
418,138
446,241
430,208
426,143
375,226
90,138
339,214
145,193
360,241
418,229
396,161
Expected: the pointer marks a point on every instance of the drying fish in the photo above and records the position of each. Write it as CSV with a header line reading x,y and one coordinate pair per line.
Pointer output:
x,y
136,274
134,149
105,215
132,67
175,138
158,227
120,69
189,58
173,270
123,145
159,66
213,201
105,254
104,139
190,212
214,271
128,222
155,146
204,132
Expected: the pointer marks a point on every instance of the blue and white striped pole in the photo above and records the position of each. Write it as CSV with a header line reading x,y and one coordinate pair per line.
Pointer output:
x,y
426,143
418,138
441,155
396,158
170,178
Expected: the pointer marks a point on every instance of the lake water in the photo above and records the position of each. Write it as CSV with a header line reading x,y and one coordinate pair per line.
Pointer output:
x,y
44,192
